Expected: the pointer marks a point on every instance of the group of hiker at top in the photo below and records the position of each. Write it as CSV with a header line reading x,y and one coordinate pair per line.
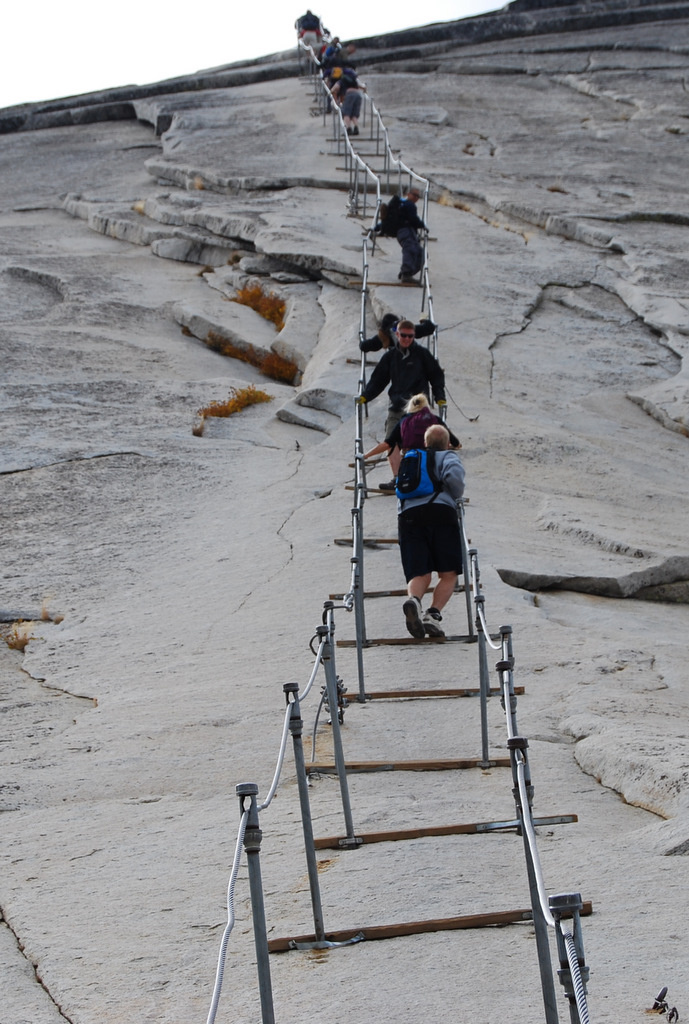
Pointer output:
x,y
337,68
428,525
402,220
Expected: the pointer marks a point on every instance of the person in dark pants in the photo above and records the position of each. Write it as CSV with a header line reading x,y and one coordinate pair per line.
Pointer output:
x,y
409,369
429,539
408,236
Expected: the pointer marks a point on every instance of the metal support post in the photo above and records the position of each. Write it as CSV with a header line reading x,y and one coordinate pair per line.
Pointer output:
x,y
358,620
506,664
358,526
252,845
484,682
517,746
328,658
296,727
466,568
574,983
474,576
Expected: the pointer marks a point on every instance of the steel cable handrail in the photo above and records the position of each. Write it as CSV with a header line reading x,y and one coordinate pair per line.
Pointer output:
x,y
551,922
220,970
531,836
219,973
362,313
285,730
531,839
480,614
577,980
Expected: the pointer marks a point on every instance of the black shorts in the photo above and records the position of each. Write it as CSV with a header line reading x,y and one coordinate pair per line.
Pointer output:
x,y
429,540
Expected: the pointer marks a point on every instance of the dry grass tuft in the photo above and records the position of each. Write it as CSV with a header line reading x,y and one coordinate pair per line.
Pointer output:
x,y
198,183
46,616
239,398
272,365
139,207
270,306
186,332
557,187
277,368
18,636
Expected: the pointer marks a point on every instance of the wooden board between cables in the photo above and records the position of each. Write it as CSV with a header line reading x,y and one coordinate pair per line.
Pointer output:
x,y
466,691
391,931
393,593
471,828
384,284
403,641
346,542
447,764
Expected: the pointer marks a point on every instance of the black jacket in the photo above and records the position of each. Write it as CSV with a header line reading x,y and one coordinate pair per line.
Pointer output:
x,y
408,373
409,218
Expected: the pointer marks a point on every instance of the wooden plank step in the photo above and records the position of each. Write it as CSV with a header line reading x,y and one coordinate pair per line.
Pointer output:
x,y
367,540
448,764
467,691
384,284
394,593
402,835
403,641
390,931
371,490
371,542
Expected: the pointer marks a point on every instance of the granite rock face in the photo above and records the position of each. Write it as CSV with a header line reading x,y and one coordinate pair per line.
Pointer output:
x,y
173,582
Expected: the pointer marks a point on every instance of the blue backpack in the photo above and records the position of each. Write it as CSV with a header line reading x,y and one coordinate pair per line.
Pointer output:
x,y
416,477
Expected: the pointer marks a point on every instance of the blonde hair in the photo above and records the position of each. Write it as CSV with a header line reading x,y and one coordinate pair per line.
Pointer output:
x,y
416,403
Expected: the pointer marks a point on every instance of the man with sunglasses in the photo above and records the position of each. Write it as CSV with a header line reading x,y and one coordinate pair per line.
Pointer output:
x,y
409,369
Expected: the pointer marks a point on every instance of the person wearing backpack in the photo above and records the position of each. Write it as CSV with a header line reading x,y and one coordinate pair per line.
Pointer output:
x,y
428,530
347,94
409,433
310,31
399,219
409,369
408,237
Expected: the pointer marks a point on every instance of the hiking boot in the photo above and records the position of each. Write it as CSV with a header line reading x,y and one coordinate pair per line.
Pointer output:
x,y
412,612
431,623
355,129
390,485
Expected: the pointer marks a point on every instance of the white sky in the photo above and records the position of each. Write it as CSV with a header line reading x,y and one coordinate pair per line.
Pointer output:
x,y
65,47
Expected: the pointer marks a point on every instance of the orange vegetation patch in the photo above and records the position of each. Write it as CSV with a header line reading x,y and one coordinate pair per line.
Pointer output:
x,y
270,306
239,398
270,364
18,636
